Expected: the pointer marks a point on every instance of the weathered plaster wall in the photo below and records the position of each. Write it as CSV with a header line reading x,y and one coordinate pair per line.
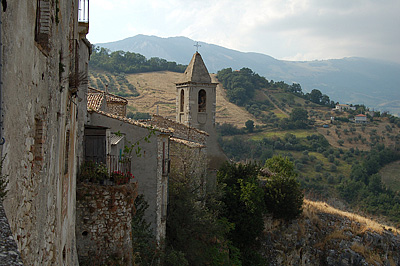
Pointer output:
x,y
40,130
146,168
104,223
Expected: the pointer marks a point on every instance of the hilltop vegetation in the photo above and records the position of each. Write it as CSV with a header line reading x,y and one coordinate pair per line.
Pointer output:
x,y
127,62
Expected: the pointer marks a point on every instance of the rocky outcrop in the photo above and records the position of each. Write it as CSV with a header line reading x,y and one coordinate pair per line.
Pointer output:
x,y
326,236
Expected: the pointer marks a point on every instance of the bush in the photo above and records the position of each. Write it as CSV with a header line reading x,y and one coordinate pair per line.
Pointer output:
x,y
282,194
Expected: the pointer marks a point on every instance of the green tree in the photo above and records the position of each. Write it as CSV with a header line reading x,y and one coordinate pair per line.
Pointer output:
x,y
282,193
249,125
315,96
244,207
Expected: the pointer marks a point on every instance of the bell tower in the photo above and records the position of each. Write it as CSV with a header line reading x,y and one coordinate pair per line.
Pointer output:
x,y
196,97
195,107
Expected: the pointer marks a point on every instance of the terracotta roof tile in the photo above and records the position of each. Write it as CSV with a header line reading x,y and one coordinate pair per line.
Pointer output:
x,y
190,144
131,121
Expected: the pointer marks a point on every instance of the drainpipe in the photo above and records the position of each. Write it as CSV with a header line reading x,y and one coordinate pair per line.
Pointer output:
x,y
2,140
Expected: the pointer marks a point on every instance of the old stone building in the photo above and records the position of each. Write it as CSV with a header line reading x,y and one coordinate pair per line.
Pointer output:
x,y
44,59
195,107
148,160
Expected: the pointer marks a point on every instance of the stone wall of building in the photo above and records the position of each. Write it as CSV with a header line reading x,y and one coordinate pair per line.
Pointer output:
x,y
103,223
116,108
179,130
189,163
40,127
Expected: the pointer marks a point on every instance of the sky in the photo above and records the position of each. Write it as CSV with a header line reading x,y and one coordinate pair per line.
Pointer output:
x,y
284,29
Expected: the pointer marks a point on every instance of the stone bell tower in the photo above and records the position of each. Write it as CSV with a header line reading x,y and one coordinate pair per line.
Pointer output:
x,y
196,104
196,97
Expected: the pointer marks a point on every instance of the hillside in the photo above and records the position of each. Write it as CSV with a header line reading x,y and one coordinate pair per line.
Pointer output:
x,y
327,236
158,89
328,160
348,80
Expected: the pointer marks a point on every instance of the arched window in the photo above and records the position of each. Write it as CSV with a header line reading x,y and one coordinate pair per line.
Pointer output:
x,y
202,101
182,101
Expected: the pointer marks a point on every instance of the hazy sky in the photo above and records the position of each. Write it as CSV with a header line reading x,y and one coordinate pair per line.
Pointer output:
x,y
284,29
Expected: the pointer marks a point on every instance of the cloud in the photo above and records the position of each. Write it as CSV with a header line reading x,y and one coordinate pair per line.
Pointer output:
x,y
308,29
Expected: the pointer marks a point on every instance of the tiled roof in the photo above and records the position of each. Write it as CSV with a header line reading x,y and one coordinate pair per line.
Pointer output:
x,y
177,123
115,139
131,121
190,144
95,99
360,115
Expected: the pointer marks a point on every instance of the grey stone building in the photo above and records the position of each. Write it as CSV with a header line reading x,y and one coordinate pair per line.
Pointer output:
x,y
195,107
44,59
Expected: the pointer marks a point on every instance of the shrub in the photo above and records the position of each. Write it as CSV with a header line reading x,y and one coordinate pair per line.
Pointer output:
x,y
282,194
93,172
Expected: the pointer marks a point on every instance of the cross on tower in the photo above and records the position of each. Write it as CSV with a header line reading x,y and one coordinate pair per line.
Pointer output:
x,y
197,46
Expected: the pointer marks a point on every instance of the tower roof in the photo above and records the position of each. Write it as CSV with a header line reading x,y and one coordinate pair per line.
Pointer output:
x,y
197,71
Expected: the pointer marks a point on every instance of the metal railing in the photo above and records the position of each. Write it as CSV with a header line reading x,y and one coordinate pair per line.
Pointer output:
x,y
83,11
115,164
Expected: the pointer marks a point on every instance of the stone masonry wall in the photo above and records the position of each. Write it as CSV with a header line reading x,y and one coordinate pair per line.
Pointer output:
x,y
116,108
103,223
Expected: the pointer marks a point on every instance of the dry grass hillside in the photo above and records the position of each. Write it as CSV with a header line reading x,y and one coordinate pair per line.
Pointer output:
x,y
158,89
324,235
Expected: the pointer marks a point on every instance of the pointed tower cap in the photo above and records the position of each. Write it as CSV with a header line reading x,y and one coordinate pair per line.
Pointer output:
x,y
197,71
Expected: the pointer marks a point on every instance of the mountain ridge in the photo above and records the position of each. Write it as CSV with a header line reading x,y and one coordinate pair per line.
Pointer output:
x,y
354,80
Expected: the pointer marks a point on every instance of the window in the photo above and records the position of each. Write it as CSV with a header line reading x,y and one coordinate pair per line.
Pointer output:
x,y
182,101
202,101
42,28
66,159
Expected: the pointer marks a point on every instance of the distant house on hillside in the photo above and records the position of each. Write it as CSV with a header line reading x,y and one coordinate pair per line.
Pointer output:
x,y
344,107
360,119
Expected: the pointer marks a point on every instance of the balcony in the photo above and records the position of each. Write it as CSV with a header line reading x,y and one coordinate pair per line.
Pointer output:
x,y
83,17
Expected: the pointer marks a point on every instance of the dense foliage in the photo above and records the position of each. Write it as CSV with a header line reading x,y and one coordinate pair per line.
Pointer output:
x,y
196,229
239,148
283,196
241,85
143,243
127,62
244,207
365,189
